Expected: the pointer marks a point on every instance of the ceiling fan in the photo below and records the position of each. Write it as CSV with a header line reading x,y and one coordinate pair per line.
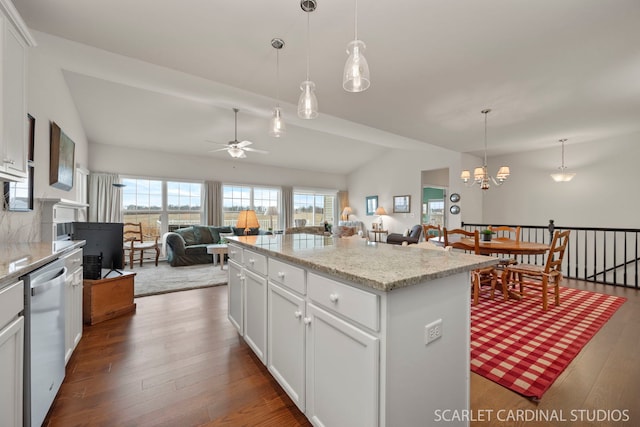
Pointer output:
x,y
235,148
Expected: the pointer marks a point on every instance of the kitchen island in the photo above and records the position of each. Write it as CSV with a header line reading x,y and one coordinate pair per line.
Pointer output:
x,y
343,325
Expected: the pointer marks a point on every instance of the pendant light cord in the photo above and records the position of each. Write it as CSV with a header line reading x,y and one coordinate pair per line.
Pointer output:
x,y
277,77
356,23
485,138
308,45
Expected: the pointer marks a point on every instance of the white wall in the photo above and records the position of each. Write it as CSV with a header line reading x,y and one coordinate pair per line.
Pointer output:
x,y
106,158
48,100
603,193
397,173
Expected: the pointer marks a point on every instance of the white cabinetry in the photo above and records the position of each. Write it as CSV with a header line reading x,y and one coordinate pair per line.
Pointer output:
x,y
235,290
286,341
342,372
73,302
14,40
248,298
11,354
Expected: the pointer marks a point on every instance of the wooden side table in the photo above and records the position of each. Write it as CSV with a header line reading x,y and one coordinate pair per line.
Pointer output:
x,y
218,249
377,233
104,299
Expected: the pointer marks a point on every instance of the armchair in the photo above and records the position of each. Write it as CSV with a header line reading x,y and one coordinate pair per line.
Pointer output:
x,y
399,239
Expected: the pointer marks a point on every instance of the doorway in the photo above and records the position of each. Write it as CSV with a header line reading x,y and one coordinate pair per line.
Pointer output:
x,y
434,196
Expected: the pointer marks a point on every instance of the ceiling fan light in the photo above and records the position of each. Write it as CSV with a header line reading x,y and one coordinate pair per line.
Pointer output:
x,y
277,127
562,176
356,69
308,103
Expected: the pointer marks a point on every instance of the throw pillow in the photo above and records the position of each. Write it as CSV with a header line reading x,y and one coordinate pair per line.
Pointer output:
x,y
215,234
406,233
202,234
188,235
346,231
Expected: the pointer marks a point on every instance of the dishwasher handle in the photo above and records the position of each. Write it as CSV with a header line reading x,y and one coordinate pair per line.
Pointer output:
x,y
45,282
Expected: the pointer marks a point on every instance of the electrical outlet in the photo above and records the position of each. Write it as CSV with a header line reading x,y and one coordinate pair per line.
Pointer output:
x,y
433,331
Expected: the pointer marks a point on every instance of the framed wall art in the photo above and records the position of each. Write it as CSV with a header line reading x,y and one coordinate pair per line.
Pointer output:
x,y
371,204
61,159
401,204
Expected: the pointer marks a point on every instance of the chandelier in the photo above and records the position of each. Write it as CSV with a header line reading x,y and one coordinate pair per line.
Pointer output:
x,y
480,174
562,176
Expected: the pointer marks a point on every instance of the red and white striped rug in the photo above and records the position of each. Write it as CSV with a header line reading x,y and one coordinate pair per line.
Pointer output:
x,y
519,346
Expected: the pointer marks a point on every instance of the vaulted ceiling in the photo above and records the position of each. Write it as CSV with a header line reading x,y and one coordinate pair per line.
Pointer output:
x,y
548,69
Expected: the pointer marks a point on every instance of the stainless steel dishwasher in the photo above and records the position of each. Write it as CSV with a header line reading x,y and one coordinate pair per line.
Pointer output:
x,y
44,339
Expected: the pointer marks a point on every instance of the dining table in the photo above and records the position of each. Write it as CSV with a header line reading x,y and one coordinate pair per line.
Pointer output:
x,y
507,246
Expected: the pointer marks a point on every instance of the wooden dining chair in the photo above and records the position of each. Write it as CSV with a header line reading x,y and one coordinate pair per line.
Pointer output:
x,y
429,231
505,232
542,278
134,242
487,276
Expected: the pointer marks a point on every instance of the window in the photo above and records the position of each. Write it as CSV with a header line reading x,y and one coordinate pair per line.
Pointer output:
x,y
313,207
161,205
236,198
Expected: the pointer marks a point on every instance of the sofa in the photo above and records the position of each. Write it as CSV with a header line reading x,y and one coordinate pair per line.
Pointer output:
x,y
413,236
188,246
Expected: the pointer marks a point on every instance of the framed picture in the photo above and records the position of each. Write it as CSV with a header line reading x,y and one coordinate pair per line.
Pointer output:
x,y
18,196
401,204
61,159
374,226
371,204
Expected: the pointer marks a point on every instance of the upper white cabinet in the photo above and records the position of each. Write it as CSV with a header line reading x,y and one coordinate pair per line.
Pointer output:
x,y
14,40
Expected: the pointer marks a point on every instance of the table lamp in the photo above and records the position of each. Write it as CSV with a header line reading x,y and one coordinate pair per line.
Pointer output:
x,y
380,211
271,211
247,219
346,212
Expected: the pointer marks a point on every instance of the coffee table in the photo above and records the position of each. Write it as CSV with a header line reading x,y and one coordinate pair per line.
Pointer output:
x,y
218,249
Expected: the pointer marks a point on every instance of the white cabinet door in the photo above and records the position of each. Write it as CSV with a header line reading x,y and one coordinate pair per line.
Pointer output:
x,y
286,334
342,372
14,111
73,312
255,313
11,346
235,303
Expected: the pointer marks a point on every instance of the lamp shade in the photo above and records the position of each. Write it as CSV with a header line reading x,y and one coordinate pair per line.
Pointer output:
x,y
272,210
380,211
247,219
346,212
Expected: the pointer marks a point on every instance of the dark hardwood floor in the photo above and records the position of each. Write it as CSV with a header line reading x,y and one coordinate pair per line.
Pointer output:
x,y
178,361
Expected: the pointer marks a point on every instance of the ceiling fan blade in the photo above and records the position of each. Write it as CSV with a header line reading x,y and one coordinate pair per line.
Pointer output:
x,y
254,150
244,144
219,149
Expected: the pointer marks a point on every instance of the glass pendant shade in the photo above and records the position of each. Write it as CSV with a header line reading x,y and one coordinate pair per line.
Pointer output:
x,y
308,103
277,127
356,69
562,176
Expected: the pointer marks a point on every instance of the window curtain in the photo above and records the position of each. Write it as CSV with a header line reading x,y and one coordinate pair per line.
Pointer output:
x,y
343,202
287,206
105,203
212,202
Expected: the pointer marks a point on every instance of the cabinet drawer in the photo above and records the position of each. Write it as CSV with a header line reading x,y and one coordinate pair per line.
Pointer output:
x,y
287,275
355,304
255,262
73,260
11,302
235,253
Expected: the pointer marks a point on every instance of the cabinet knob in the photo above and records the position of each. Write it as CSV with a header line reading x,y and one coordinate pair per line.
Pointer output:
x,y
333,298
281,274
9,161
251,260
307,320
297,314
232,252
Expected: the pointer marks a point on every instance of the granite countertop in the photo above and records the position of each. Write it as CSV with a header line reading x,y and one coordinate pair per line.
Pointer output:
x,y
376,265
18,259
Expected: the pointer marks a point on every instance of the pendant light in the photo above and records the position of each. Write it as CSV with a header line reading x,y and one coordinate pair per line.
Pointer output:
x,y
308,103
356,70
277,127
562,176
480,174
